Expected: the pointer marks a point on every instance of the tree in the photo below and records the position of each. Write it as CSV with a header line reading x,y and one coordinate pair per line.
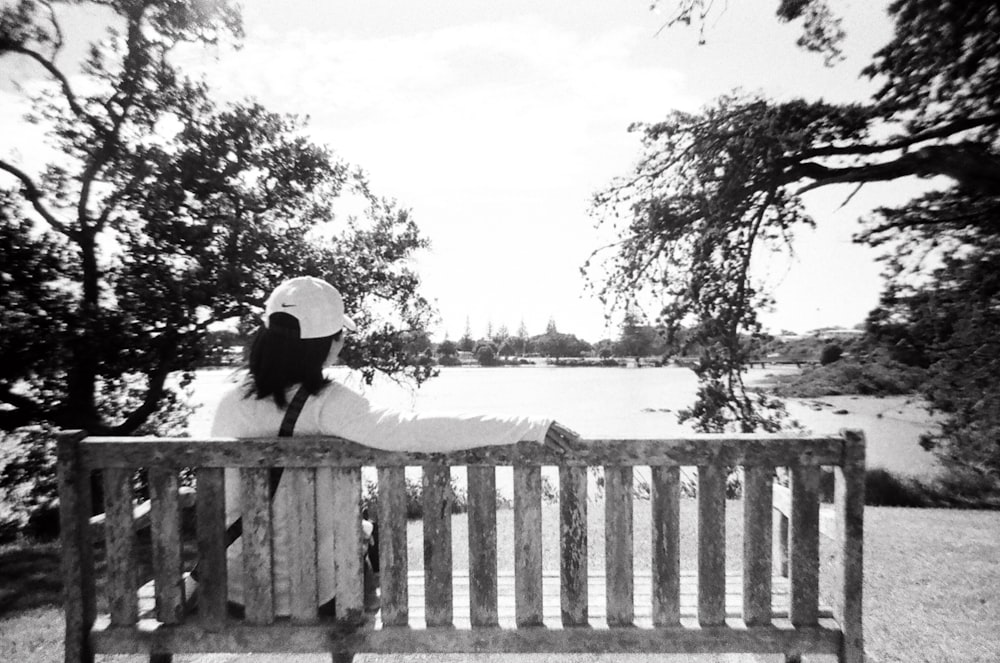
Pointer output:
x,y
636,340
950,326
165,213
502,341
556,344
821,28
447,348
485,354
466,344
713,189
830,353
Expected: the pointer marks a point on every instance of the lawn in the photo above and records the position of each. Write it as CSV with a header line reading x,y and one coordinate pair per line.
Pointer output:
x,y
931,584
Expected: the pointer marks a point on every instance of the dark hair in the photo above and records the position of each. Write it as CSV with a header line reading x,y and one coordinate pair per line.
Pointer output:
x,y
279,359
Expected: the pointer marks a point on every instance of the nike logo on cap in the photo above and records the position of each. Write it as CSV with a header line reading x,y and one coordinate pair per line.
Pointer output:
x,y
288,305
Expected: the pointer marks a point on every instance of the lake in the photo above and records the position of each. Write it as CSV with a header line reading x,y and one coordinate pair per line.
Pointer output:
x,y
600,402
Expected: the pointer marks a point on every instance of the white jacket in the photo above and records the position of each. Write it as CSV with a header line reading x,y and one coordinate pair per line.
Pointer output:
x,y
340,411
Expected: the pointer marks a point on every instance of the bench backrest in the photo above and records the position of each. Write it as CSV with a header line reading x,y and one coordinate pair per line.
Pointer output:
x,y
308,461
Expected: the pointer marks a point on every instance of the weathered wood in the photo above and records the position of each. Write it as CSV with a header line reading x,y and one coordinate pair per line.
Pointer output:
x,y
121,565
210,515
804,565
445,604
140,513
757,509
77,560
166,539
779,545
666,563
345,515
618,545
258,567
393,560
302,571
573,545
711,545
528,545
822,639
849,499
330,451
437,501
482,519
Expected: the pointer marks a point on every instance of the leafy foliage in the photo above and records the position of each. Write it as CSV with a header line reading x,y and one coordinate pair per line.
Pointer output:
x,y
716,188
821,31
830,354
167,213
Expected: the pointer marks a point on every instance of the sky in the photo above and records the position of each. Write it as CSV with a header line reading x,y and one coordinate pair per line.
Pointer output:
x,y
496,122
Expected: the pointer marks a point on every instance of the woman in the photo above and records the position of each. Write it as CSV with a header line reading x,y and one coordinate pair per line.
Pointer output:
x,y
302,333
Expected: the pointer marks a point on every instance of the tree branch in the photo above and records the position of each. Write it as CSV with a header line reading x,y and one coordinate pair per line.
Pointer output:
x,y
969,164
154,391
936,133
34,196
26,410
67,90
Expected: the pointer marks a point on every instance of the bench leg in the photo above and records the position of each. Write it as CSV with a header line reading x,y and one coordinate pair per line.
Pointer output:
x,y
793,658
161,658
343,658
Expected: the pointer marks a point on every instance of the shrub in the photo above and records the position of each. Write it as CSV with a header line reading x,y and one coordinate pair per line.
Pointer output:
x,y
28,485
414,499
847,377
830,354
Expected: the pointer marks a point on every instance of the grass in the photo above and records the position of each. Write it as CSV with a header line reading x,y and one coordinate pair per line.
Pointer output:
x,y
930,582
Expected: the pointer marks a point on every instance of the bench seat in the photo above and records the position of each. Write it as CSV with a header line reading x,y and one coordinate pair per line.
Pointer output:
x,y
373,637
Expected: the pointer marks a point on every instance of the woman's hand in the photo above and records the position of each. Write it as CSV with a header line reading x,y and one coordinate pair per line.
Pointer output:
x,y
560,437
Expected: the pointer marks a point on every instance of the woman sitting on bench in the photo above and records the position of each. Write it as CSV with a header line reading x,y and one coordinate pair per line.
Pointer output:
x,y
286,390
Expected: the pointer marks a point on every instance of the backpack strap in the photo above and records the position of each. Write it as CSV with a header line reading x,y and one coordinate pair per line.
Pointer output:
x,y
292,412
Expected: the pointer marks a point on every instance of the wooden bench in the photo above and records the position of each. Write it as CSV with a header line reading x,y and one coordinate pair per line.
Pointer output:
x,y
478,609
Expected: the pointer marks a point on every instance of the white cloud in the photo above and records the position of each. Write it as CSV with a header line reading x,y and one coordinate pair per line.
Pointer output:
x,y
495,133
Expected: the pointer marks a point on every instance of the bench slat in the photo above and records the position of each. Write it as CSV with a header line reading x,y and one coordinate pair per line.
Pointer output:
x,y
757,524
122,577
822,639
258,586
804,527
849,501
345,515
528,545
210,512
711,545
77,551
166,538
482,545
302,532
618,544
666,563
331,451
393,560
573,544
437,501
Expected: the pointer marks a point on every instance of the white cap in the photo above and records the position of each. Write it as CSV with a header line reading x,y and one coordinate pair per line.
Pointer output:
x,y
316,304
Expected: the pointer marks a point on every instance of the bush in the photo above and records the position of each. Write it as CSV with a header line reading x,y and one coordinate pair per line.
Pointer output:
x,y
882,377
414,499
830,354
28,485
950,490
